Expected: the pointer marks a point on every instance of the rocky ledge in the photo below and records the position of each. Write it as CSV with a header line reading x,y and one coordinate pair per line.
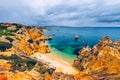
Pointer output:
x,y
102,62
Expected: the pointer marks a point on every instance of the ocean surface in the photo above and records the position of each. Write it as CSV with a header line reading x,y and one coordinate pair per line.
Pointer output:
x,y
65,46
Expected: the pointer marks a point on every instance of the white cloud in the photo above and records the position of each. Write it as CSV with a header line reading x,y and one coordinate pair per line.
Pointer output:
x,y
60,12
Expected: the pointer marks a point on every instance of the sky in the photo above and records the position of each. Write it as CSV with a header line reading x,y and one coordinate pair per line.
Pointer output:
x,y
61,12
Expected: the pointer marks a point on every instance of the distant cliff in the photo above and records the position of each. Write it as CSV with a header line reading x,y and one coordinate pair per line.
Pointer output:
x,y
102,62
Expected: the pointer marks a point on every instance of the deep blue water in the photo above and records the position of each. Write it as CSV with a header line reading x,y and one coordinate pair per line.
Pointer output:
x,y
64,44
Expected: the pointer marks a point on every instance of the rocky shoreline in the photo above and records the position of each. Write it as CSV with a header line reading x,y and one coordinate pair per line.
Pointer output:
x,y
17,40
100,62
21,47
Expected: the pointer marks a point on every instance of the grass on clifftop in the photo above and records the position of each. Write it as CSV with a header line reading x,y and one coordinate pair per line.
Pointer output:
x,y
6,33
4,46
23,64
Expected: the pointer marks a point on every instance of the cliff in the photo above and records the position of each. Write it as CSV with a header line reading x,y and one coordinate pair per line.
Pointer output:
x,y
102,62
24,39
17,39
18,44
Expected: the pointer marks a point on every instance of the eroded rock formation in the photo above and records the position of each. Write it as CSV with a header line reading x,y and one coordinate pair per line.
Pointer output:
x,y
102,62
26,39
18,40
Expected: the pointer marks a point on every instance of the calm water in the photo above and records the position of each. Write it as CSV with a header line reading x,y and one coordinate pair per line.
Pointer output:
x,y
65,46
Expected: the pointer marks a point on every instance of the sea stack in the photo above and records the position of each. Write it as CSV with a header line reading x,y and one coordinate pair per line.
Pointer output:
x,y
76,36
49,37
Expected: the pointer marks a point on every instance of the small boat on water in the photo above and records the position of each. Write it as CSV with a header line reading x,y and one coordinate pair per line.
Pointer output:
x,y
76,36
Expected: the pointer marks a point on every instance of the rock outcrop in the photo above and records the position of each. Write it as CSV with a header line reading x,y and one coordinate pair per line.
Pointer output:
x,y
20,42
25,39
102,62
13,67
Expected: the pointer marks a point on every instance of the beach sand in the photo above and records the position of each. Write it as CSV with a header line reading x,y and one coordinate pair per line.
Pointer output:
x,y
55,62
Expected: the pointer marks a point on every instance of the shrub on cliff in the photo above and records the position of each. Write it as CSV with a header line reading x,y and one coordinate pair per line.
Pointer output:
x,y
43,68
46,70
6,33
3,27
21,64
4,46
10,39
30,41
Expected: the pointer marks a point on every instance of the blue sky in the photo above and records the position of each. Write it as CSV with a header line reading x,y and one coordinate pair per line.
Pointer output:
x,y
61,12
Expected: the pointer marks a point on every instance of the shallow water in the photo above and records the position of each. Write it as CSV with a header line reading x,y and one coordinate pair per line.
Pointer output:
x,y
65,46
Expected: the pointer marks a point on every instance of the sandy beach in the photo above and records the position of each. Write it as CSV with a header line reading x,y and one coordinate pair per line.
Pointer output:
x,y
56,62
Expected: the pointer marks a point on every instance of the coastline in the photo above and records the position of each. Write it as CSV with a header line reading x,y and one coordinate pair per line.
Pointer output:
x,y
66,57
27,49
55,62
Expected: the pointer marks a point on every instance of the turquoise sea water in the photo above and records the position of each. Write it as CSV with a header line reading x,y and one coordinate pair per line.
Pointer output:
x,y
66,47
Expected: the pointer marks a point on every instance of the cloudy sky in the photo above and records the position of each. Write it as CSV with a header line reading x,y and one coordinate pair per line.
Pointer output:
x,y
61,12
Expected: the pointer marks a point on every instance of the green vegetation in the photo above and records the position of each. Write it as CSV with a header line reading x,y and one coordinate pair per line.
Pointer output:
x,y
30,41
119,50
23,64
3,27
19,63
48,70
42,69
4,31
10,39
4,46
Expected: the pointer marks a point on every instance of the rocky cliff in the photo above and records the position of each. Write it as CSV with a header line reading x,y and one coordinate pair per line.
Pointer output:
x,y
102,62
17,45
18,42
24,39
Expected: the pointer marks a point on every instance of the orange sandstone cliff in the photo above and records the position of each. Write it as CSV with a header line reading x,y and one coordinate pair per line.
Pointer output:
x,y
102,62
25,39
17,43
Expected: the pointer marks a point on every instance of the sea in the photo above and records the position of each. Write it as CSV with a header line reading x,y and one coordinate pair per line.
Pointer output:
x,y
65,46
